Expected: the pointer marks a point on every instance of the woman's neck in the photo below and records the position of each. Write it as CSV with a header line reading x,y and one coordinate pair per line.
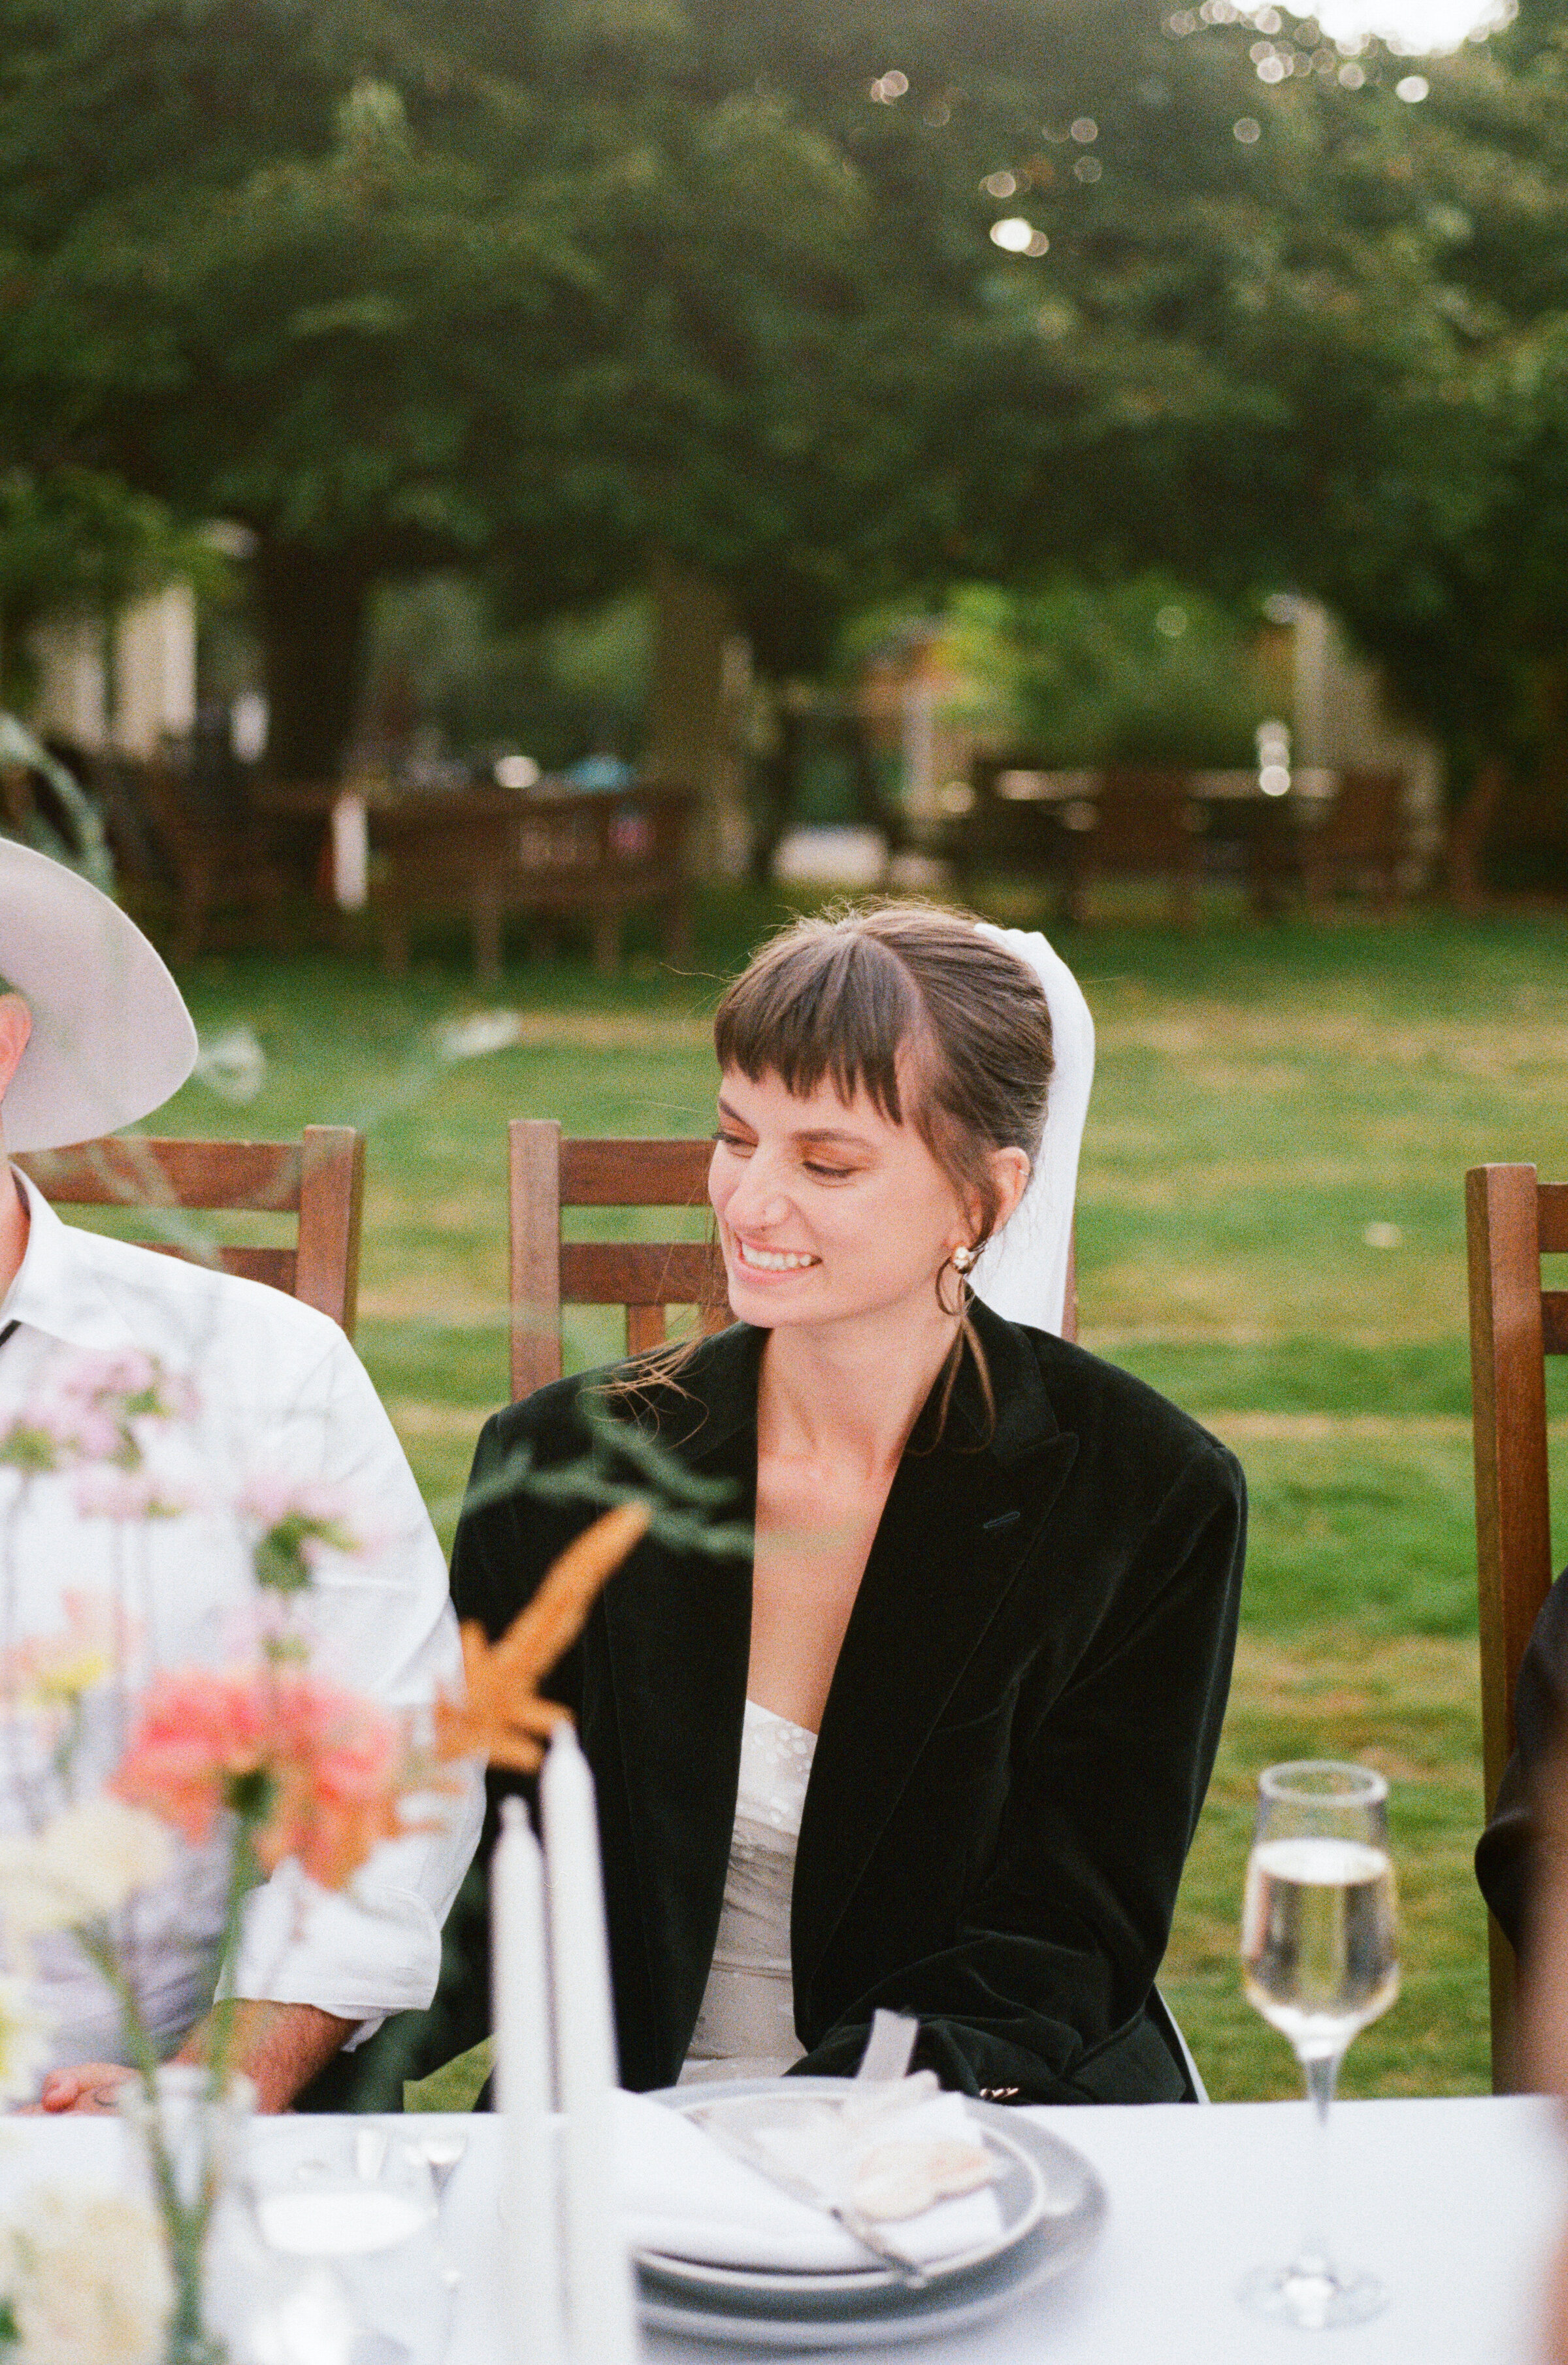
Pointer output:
x,y
850,1393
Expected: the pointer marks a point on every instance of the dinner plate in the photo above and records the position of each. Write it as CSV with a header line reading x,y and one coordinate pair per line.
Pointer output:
x,y
757,2308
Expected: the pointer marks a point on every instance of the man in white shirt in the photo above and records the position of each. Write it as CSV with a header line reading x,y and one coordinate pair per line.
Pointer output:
x,y
93,1036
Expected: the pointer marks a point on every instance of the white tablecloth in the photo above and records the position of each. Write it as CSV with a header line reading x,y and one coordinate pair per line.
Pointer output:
x,y
1454,2204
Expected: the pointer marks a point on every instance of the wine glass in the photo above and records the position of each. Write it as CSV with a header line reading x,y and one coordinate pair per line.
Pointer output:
x,y
1317,1953
346,2216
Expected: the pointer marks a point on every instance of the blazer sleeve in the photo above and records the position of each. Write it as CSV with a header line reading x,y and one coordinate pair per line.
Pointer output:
x,y
1043,1993
1509,1855
505,1542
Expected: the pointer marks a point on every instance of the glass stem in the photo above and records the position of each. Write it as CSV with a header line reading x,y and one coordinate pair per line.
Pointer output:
x,y
1312,2254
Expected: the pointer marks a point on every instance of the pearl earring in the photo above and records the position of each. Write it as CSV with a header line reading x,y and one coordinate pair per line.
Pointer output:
x,y
963,1259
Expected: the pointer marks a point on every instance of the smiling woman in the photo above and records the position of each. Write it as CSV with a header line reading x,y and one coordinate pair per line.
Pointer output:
x,y
942,1745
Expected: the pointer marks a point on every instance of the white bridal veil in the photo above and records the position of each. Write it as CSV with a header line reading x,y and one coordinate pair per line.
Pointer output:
x,y
1022,1273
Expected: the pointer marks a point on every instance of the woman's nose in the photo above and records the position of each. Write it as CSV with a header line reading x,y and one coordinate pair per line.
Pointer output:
x,y
758,1199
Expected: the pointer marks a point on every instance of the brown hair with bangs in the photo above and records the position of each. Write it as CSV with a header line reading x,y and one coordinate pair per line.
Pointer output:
x,y
851,994
905,1001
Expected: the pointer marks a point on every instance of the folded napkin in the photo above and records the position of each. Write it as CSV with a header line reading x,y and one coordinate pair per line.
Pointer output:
x,y
681,2194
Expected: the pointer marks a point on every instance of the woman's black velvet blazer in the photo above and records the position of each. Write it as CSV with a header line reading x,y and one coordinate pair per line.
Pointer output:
x,y
1015,1746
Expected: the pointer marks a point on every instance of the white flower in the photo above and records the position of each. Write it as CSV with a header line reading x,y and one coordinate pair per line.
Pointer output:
x,y
25,2044
84,1863
233,1065
88,2280
475,1037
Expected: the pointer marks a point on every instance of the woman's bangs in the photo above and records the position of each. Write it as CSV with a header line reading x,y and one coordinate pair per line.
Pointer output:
x,y
834,1007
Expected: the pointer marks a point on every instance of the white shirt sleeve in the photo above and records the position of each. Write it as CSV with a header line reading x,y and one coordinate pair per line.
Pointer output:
x,y
381,1625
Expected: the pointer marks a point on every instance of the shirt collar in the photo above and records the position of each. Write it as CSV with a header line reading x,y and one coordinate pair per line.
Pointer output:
x,y
56,1289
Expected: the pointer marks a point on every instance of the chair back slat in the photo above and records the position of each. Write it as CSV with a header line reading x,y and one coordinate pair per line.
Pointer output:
x,y
639,1273
646,1329
131,1170
317,1181
1514,1325
1552,1200
534,1175
276,1267
635,1173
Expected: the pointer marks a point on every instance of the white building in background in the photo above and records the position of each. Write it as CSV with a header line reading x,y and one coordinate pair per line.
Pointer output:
x,y
155,677
1343,715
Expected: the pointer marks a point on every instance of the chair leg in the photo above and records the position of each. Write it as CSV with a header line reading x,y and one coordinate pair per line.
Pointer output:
x,y
606,925
486,935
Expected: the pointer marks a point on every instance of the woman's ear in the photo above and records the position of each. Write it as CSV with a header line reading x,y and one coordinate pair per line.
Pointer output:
x,y
1009,1171
15,1028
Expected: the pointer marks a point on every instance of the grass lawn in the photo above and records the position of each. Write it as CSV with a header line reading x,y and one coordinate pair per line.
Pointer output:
x,y
1270,1230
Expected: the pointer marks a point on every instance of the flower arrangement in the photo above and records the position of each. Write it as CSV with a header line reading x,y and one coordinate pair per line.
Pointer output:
x,y
283,1763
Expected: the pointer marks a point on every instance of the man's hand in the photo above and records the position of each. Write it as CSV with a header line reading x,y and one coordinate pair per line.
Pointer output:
x,y
279,2047
90,2087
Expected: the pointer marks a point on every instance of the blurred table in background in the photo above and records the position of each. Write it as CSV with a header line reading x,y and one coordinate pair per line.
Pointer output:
x,y
485,854
1328,831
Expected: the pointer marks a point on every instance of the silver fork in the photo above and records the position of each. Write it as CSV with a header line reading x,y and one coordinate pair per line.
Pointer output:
x,y
741,2147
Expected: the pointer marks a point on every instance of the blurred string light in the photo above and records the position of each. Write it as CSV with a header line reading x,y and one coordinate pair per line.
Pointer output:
x,y
1016,236
889,88
1405,28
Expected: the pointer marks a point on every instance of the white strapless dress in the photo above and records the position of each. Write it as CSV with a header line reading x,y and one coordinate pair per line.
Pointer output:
x,y
747,2025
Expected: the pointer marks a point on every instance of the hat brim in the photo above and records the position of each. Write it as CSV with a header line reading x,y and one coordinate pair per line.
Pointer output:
x,y
112,1038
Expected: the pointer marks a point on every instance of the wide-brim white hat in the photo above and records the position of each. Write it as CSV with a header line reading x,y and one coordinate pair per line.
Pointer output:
x,y
112,1038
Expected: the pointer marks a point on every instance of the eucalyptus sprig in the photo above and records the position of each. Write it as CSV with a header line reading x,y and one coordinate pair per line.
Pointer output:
x,y
621,1465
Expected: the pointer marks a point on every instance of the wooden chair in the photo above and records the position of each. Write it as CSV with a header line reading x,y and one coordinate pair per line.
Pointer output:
x,y
1512,1220
319,1180
548,1173
1361,839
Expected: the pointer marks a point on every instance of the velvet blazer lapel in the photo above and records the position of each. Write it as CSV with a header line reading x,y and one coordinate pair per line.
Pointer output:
x,y
960,1521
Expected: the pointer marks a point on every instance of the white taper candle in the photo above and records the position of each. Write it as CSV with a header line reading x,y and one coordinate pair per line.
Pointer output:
x,y
601,2311
524,2096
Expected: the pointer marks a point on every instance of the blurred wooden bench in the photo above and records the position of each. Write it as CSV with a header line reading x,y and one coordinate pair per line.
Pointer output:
x,y
483,853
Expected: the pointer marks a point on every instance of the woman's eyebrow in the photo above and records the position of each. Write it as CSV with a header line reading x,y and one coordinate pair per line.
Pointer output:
x,y
806,1133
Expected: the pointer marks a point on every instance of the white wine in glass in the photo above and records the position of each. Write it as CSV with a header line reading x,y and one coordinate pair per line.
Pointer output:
x,y
1317,1953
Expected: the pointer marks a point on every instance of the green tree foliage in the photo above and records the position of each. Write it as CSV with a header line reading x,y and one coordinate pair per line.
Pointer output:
x,y
545,288
1141,672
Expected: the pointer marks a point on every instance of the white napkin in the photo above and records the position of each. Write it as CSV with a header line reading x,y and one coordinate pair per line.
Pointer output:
x,y
679,2193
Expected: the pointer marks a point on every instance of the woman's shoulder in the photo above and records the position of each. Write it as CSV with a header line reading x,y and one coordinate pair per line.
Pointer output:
x,y
1118,1419
656,1394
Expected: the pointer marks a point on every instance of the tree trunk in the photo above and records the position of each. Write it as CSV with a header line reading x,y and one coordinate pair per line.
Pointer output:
x,y
871,802
777,783
311,607
1467,838
690,734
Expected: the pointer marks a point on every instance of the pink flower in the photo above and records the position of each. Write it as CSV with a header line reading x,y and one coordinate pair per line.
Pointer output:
x,y
318,1772
120,1372
104,1491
